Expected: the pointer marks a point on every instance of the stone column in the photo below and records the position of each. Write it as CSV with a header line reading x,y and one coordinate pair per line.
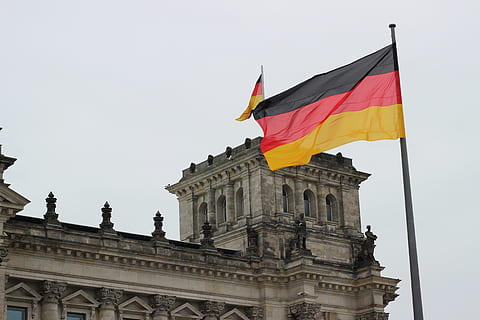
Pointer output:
x,y
52,292
163,305
109,301
230,199
212,309
192,209
298,195
212,215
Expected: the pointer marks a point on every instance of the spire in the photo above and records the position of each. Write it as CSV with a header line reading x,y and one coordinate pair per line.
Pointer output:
x,y
158,235
51,217
107,226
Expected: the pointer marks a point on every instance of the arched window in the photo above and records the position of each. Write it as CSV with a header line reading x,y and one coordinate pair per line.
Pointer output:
x,y
308,203
203,213
239,202
222,209
286,198
331,207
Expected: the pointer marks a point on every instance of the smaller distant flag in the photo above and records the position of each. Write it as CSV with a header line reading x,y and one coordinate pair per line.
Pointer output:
x,y
255,99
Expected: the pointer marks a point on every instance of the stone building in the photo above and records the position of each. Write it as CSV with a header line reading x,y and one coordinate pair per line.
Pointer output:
x,y
255,244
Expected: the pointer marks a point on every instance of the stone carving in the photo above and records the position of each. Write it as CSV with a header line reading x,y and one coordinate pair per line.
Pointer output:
x,y
255,313
388,297
303,311
298,245
252,239
248,143
228,152
339,157
107,226
52,291
373,316
51,217
212,309
193,166
210,160
158,234
365,257
3,253
109,296
207,241
163,302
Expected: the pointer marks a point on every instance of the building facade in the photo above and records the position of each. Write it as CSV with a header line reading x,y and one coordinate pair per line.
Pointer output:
x,y
255,244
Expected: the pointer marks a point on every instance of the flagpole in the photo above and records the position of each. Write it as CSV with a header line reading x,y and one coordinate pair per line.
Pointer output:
x,y
412,244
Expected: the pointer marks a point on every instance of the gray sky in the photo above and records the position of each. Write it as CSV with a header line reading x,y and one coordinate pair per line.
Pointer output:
x,y
110,100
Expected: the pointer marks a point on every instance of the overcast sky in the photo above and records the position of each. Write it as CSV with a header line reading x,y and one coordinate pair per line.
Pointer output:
x,y
110,100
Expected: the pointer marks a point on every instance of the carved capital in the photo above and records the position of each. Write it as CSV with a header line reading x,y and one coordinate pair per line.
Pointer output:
x,y
212,308
52,291
304,311
163,303
373,316
255,313
109,296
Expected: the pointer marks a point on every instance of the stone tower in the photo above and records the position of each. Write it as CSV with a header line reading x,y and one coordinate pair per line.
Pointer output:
x,y
297,218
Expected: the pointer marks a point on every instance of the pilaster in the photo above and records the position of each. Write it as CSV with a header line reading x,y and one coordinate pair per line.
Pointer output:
x,y
163,305
52,292
212,309
109,300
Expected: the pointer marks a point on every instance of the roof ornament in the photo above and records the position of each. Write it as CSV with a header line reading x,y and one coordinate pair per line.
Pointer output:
x,y
107,226
51,217
207,241
158,235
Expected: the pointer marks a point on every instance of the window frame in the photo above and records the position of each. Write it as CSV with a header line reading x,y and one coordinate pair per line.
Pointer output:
x,y
24,308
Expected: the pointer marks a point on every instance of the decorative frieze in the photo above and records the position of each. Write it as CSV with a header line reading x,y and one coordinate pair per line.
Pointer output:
x,y
303,311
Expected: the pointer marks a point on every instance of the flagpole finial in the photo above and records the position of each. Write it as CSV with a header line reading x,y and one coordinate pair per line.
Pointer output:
x,y
392,32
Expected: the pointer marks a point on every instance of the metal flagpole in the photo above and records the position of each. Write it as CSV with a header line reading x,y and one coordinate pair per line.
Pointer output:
x,y
412,244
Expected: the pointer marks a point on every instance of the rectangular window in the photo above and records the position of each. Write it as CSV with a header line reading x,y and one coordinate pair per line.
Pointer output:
x,y
75,316
16,313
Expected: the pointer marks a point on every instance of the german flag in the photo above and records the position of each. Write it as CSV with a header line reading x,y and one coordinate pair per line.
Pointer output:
x,y
255,99
359,101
